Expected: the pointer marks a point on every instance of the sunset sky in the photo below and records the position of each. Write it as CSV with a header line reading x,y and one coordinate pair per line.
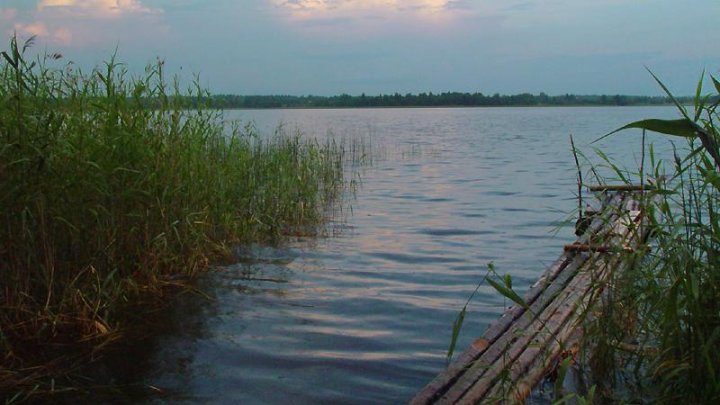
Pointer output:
x,y
326,47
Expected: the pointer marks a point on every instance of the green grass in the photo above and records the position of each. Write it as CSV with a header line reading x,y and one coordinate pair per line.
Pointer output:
x,y
111,190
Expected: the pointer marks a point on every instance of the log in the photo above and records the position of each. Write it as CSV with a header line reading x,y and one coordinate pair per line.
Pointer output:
x,y
525,342
620,187
534,337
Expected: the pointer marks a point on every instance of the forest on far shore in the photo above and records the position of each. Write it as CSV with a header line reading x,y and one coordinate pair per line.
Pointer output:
x,y
447,99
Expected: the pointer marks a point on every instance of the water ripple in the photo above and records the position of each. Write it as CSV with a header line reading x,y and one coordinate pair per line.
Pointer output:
x,y
456,232
408,258
366,317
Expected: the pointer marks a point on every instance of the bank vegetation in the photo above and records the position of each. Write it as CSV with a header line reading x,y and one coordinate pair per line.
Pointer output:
x,y
108,204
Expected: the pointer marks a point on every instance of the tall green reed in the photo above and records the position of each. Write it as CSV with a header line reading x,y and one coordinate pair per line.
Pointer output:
x,y
112,187
654,336
662,328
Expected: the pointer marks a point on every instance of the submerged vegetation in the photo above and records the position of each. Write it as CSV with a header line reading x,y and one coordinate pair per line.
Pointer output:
x,y
105,203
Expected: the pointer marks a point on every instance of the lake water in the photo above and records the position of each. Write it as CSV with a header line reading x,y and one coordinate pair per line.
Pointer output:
x,y
365,315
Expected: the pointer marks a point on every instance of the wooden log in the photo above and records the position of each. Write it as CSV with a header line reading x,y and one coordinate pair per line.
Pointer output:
x,y
435,389
486,368
566,337
620,187
553,301
538,365
534,336
456,369
543,363
536,360
586,247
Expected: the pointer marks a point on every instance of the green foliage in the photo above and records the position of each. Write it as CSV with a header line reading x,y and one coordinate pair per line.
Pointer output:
x,y
673,296
457,327
503,285
105,201
458,323
505,288
657,335
579,399
681,127
446,99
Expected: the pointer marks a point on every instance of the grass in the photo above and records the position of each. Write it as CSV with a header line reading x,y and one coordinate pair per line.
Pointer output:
x,y
113,190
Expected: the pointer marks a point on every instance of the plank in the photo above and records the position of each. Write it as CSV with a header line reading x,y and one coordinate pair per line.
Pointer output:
x,y
533,336
566,337
485,368
528,369
544,340
497,334
530,340
620,187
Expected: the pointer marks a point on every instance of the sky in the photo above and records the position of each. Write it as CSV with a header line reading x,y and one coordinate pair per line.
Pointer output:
x,y
327,47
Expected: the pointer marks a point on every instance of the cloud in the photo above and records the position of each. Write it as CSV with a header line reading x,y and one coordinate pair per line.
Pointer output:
x,y
97,8
37,28
62,35
59,35
366,9
83,23
320,6
7,14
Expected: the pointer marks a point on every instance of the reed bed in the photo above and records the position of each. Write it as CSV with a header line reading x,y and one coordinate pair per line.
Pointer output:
x,y
659,338
112,189
654,337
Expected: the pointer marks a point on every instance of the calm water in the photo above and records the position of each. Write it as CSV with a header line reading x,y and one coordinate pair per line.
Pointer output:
x,y
365,316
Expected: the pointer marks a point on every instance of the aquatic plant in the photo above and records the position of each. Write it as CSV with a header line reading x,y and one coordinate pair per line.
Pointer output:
x,y
663,331
654,334
112,190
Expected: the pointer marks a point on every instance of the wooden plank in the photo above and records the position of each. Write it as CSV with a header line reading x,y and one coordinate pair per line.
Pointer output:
x,y
542,364
528,369
455,370
486,367
491,354
548,342
533,336
553,301
441,383
566,337
620,187
587,247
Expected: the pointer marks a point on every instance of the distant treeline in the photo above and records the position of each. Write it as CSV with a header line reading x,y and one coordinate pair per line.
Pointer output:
x,y
448,99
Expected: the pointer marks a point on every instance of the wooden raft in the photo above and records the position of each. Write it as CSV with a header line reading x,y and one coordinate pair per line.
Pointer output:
x,y
525,344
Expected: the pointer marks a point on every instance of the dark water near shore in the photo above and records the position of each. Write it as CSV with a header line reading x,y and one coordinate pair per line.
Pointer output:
x,y
365,315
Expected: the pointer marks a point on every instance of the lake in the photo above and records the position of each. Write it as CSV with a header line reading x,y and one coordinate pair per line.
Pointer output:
x,y
365,314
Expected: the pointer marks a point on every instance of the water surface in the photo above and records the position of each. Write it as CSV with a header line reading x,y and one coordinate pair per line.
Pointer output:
x,y
365,315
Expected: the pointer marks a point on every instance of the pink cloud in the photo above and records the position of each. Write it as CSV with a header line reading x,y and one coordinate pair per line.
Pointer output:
x,y
7,14
60,35
86,23
97,8
368,16
36,28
